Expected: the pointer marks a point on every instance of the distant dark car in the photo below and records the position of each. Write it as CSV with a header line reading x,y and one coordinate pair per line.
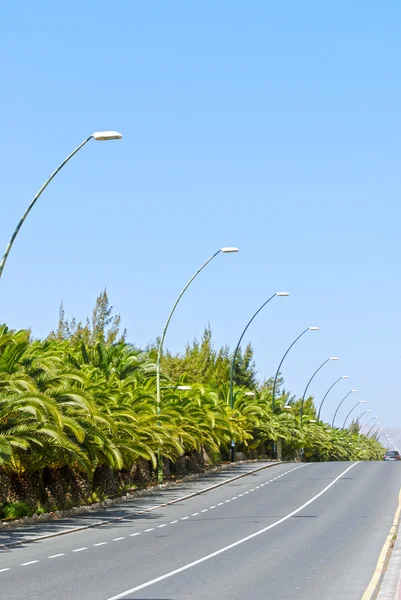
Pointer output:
x,y
392,455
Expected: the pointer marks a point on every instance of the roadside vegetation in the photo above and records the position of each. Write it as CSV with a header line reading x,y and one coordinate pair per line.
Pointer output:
x,y
78,415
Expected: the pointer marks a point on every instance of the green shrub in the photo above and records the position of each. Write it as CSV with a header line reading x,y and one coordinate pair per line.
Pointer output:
x,y
15,510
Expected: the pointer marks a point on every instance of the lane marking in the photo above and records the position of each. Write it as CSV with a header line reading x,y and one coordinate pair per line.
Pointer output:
x,y
80,549
194,514
220,503
371,589
233,545
100,544
31,562
134,534
150,529
2,570
214,506
172,522
56,555
184,518
121,538
160,526
204,510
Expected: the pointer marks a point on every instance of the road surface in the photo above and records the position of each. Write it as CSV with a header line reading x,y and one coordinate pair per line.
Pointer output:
x,y
288,532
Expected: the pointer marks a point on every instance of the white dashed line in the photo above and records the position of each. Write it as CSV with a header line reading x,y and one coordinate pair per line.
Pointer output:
x,y
56,555
118,539
160,526
134,534
100,544
2,570
31,562
80,549
214,506
172,522
220,503
150,529
204,510
194,514
227,501
184,518
234,497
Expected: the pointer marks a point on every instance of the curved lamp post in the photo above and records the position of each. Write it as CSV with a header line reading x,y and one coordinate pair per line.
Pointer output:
x,y
373,426
313,328
330,388
282,360
310,380
355,405
226,250
99,135
235,356
337,409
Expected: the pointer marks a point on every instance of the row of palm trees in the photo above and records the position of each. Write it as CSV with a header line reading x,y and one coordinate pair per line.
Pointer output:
x,y
85,406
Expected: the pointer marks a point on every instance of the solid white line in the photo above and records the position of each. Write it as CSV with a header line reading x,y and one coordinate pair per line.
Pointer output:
x,y
56,555
31,562
100,544
2,570
230,546
118,539
79,549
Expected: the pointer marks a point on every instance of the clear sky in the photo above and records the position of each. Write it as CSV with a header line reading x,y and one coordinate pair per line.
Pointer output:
x,y
271,126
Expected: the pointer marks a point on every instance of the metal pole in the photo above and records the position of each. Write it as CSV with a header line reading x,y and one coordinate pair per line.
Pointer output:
x,y
28,210
337,409
233,366
324,397
308,384
275,380
159,356
350,413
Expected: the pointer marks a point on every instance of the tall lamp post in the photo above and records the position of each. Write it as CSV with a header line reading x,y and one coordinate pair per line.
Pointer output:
x,y
226,250
98,135
355,405
282,360
309,382
313,328
338,407
280,294
330,388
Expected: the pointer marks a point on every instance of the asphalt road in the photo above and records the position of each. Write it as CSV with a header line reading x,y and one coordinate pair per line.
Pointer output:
x,y
289,532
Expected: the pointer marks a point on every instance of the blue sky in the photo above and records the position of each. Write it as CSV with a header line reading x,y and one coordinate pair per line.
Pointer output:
x,y
271,126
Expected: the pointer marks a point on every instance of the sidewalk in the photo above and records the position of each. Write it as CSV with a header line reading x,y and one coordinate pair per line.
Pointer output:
x,y
133,505
390,588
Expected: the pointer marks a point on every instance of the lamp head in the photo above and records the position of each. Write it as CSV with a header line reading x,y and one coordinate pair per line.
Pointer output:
x,y
106,135
229,249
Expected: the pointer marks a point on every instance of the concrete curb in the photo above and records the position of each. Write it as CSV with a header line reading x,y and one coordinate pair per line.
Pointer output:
x,y
146,510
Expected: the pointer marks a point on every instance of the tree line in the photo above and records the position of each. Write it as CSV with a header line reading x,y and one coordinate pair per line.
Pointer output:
x,y
83,401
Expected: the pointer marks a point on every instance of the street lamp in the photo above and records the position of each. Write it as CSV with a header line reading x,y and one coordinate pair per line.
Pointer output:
x,y
346,396
182,388
280,294
330,388
310,380
282,360
226,250
98,135
355,405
